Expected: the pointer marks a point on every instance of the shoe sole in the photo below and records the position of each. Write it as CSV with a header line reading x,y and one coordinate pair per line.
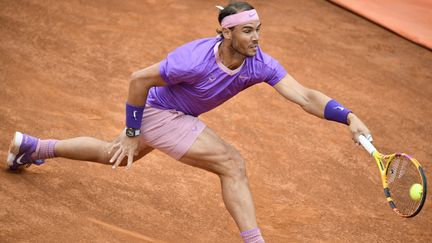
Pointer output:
x,y
14,148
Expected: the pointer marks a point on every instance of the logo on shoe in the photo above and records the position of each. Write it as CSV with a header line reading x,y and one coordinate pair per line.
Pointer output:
x,y
19,160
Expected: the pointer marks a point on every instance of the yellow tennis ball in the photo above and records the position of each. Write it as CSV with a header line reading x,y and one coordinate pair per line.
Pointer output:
x,y
416,192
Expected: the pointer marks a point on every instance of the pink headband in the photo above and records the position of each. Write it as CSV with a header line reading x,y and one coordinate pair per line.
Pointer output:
x,y
240,18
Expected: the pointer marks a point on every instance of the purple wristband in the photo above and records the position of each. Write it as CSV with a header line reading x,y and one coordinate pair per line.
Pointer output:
x,y
134,116
336,112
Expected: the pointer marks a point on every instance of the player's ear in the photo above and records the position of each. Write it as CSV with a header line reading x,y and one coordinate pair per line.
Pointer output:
x,y
227,33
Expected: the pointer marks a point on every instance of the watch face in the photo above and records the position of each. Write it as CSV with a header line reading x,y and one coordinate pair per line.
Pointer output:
x,y
130,132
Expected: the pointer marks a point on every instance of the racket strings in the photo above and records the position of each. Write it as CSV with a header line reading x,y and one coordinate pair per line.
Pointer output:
x,y
401,175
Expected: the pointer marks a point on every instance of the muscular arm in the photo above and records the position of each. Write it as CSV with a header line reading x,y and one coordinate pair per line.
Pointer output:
x,y
312,101
141,82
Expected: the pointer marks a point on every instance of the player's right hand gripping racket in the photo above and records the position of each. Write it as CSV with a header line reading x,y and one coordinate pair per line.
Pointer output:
x,y
403,180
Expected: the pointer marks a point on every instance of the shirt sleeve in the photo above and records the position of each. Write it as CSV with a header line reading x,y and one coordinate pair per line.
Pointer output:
x,y
273,72
176,67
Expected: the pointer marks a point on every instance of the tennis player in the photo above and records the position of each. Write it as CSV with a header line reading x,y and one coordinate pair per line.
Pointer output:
x,y
165,100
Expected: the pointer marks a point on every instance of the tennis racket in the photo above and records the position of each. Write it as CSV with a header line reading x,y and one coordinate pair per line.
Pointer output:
x,y
403,179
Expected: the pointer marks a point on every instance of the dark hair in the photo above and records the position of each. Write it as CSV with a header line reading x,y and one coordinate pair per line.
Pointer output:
x,y
232,8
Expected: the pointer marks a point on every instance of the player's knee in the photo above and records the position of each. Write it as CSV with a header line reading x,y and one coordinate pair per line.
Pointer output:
x,y
234,166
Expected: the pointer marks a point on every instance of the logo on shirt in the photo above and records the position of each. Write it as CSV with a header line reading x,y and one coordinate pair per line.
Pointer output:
x,y
243,77
339,108
251,14
212,78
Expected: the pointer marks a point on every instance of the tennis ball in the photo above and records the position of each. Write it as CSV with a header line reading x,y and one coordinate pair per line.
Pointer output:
x,y
416,192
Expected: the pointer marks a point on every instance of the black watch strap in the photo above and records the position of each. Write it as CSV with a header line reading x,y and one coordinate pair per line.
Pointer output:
x,y
132,132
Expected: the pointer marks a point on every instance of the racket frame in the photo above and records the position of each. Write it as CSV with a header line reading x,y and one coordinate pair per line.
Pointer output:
x,y
382,163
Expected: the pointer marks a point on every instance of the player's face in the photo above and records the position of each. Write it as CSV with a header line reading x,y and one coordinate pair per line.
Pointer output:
x,y
245,38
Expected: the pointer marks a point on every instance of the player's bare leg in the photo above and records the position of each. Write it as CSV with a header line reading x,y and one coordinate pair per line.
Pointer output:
x,y
211,153
92,150
26,150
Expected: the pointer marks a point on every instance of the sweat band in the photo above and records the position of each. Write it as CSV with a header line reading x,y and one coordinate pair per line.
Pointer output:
x,y
336,112
44,150
134,116
252,236
239,18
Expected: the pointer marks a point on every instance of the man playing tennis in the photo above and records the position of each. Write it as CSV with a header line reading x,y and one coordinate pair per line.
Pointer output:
x,y
165,100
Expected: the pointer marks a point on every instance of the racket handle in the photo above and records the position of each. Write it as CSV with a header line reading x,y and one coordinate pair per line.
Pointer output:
x,y
366,144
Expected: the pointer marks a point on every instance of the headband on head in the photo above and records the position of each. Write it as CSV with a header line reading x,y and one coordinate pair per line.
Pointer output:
x,y
240,18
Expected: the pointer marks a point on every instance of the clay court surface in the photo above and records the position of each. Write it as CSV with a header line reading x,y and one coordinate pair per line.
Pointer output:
x,y
64,72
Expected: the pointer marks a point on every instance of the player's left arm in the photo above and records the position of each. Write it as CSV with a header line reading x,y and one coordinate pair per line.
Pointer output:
x,y
320,105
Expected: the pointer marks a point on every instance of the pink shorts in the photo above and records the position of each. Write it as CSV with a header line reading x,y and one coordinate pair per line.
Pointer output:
x,y
170,131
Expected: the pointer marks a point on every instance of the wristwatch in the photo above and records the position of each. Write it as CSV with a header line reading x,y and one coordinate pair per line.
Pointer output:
x,y
132,132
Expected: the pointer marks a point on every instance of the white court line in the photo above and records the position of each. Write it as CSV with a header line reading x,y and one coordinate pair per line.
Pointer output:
x,y
124,231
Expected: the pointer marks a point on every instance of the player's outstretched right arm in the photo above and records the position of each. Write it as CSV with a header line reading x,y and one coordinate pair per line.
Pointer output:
x,y
320,105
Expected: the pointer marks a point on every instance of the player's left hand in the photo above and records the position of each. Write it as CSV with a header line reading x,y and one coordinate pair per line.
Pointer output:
x,y
358,128
123,146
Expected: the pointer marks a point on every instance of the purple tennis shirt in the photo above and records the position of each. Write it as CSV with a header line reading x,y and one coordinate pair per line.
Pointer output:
x,y
197,81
